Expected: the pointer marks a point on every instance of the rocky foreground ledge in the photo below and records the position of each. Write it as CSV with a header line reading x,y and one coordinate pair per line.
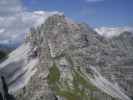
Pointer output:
x,y
72,62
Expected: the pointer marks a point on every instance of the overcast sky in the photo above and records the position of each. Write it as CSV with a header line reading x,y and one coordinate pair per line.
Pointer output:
x,y
17,16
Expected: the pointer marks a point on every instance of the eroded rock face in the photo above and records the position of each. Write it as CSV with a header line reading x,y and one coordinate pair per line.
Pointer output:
x,y
71,46
123,66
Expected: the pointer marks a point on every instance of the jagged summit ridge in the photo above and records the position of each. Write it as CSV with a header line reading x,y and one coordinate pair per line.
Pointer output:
x,y
78,55
68,44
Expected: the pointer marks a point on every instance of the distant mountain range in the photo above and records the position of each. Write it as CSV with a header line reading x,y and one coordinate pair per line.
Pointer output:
x,y
110,32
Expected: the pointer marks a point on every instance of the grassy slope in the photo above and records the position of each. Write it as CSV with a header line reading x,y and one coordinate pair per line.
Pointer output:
x,y
80,88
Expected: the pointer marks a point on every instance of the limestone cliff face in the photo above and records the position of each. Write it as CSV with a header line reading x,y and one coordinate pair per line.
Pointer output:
x,y
73,61
122,69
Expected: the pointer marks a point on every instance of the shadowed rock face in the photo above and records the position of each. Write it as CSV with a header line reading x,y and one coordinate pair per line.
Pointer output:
x,y
123,67
70,46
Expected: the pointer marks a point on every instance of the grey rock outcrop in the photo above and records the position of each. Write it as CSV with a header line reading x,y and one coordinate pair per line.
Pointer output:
x,y
70,46
122,69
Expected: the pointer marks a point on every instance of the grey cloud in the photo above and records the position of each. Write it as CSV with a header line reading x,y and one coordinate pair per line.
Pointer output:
x,y
15,21
8,19
10,7
13,28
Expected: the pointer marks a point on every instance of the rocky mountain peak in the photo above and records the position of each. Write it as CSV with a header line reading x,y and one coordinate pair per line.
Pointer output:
x,y
75,63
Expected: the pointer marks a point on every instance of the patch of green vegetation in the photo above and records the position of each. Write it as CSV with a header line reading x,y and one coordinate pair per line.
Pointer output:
x,y
79,89
71,93
83,80
54,74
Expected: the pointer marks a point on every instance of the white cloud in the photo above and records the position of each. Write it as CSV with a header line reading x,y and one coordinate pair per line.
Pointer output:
x,y
15,21
109,32
2,31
